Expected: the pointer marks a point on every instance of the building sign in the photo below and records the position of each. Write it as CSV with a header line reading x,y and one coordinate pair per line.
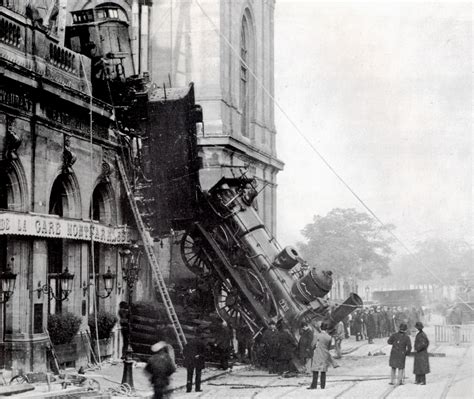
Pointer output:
x,y
50,226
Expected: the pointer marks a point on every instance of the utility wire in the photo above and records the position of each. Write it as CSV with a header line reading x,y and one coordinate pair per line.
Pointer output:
x,y
315,150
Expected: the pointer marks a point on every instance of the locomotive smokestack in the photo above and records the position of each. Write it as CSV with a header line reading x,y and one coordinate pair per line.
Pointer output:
x,y
343,310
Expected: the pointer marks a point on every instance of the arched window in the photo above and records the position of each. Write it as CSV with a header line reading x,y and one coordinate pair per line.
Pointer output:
x,y
103,211
246,63
63,202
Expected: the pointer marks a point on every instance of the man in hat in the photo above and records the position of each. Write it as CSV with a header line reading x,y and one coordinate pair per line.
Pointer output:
x,y
401,347
160,366
321,356
193,353
305,349
421,366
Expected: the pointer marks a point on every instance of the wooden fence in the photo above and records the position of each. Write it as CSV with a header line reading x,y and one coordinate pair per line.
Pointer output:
x,y
454,334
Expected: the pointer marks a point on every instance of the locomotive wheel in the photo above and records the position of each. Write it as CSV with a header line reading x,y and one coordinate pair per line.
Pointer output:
x,y
260,291
193,255
230,307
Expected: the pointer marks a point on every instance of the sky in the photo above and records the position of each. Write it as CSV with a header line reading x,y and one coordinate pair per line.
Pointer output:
x,y
383,90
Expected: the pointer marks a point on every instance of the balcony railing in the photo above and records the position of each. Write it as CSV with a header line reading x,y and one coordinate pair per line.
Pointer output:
x,y
26,44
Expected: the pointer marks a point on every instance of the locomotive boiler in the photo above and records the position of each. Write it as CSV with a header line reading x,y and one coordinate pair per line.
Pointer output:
x,y
254,279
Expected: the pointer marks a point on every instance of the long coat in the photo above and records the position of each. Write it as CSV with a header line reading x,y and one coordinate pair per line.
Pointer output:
x,y
321,355
421,364
286,344
160,366
371,325
401,347
305,349
194,353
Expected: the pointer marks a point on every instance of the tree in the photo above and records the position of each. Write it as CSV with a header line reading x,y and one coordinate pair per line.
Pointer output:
x,y
350,243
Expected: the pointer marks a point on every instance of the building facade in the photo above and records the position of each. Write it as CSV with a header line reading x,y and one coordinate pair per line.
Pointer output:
x,y
60,197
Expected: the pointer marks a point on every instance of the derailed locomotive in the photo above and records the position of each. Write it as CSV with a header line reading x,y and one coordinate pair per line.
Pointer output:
x,y
255,280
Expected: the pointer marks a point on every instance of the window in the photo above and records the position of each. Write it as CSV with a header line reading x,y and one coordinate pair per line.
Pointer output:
x,y
246,81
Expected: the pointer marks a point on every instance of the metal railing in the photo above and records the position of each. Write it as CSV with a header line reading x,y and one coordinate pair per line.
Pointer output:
x,y
454,334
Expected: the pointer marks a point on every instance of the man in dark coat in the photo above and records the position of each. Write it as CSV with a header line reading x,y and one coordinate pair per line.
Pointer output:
x,y
357,325
305,346
287,347
160,366
371,327
243,334
193,354
271,346
421,366
401,347
223,343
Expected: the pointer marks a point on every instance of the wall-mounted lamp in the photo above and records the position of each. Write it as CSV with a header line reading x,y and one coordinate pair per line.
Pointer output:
x,y
108,284
7,283
65,282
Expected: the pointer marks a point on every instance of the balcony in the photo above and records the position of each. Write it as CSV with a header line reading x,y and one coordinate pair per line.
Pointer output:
x,y
32,51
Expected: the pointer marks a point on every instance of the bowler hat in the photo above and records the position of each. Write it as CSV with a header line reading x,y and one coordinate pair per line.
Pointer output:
x,y
403,327
419,325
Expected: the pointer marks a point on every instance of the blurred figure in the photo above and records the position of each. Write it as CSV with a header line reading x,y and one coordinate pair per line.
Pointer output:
x,y
194,353
321,356
421,366
401,347
357,324
160,366
305,348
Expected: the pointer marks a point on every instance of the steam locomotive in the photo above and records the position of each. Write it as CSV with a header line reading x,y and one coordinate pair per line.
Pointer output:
x,y
255,280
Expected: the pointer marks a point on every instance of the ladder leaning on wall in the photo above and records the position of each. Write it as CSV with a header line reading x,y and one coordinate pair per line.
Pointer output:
x,y
158,280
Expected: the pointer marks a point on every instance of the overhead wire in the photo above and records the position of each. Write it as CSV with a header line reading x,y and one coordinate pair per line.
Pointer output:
x,y
314,149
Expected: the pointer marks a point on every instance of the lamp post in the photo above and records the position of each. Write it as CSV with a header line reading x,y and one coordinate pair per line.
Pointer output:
x,y
130,269
367,290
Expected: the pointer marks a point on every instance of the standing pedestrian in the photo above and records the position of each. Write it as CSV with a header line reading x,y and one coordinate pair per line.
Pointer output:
x,y
194,360
286,351
338,336
401,347
271,347
321,356
421,366
223,343
305,349
371,326
243,334
160,366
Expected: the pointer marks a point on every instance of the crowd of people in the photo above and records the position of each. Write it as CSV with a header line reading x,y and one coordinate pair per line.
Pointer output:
x,y
382,321
276,350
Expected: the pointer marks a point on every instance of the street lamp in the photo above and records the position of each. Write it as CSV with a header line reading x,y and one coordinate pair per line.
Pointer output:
x,y
109,279
7,283
130,269
65,282
367,290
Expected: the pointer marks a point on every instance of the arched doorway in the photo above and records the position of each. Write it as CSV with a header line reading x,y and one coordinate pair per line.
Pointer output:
x,y
13,197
